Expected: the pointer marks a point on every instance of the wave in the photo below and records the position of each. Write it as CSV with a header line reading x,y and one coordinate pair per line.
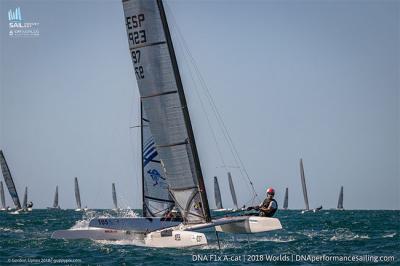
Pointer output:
x,y
389,235
6,229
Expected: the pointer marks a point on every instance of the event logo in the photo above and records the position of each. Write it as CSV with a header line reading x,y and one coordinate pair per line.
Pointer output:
x,y
19,28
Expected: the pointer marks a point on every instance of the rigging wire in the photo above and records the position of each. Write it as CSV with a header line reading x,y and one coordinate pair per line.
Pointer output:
x,y
217,114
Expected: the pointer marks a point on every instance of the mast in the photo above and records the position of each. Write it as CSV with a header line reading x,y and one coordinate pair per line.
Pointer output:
x,y
233,193
55,203
217,194
286,200
114,196
77,194
340,201
192,143
303,183
9,181
142,160
2,196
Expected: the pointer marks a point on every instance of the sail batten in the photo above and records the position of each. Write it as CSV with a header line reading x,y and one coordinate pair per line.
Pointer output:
x,y
77,194
217,194
303,184
233,193
9,181
163,101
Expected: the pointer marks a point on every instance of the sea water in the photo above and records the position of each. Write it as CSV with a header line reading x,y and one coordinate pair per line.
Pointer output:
x,y
328,237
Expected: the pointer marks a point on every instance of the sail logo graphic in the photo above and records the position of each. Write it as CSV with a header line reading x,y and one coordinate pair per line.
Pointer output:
x,y
155,176
19,28
15,15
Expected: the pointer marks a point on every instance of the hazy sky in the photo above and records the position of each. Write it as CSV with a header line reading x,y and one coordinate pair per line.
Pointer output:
x,y
317,80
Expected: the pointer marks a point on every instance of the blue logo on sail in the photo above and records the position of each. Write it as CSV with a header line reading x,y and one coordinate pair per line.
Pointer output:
x,y
15,15
155,175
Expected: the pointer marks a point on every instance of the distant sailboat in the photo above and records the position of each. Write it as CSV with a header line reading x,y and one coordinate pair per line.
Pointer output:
x,y
55,202
25,202
9,182
303,184
217,196
286,200
114,196
2,197
77,196
233,193
340,201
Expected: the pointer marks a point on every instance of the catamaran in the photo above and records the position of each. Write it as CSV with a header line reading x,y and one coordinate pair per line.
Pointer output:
x,y
10,183
217,197
340,201
303,184
286,199
78,197
2,197
26,206
55,202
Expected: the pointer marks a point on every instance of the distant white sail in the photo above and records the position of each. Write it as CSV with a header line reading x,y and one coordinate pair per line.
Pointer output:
x,y
55,203
164,103
77,194
217,194
303,184
340,201
157,200
25,202
286,200
233,193
9,181
2,196
114,196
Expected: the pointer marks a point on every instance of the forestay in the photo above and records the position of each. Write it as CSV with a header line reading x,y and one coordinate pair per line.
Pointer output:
x,y
9,181
217,194
164,103
156,197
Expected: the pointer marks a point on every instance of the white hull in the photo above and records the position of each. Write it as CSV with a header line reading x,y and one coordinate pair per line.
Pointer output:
x,y
222,210
134,224
251,225
174,239
93,234
78,210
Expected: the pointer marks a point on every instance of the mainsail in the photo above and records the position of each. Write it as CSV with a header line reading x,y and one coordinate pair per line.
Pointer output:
x,y
303,183
286,200
157,200
114,196
77,194
55,203
340,201
217,194
164,103
25,202
9,181
2,196
233,193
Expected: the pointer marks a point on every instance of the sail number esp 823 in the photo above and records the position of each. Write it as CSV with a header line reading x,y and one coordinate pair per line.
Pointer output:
x,y
136,37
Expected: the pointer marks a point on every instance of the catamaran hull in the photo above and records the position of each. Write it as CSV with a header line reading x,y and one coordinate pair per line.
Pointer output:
x,y
174,239
93,234
134,224
251,225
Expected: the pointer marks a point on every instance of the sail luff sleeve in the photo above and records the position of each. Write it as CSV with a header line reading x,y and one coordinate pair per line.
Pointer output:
x,y
9,181
161,95
217,194
303,184
233,192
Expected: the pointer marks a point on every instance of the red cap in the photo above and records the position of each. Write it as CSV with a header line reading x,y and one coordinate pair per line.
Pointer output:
x,y
271,191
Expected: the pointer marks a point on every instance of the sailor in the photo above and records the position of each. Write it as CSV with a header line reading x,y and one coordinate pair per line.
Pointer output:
x,y
268,207
30,204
